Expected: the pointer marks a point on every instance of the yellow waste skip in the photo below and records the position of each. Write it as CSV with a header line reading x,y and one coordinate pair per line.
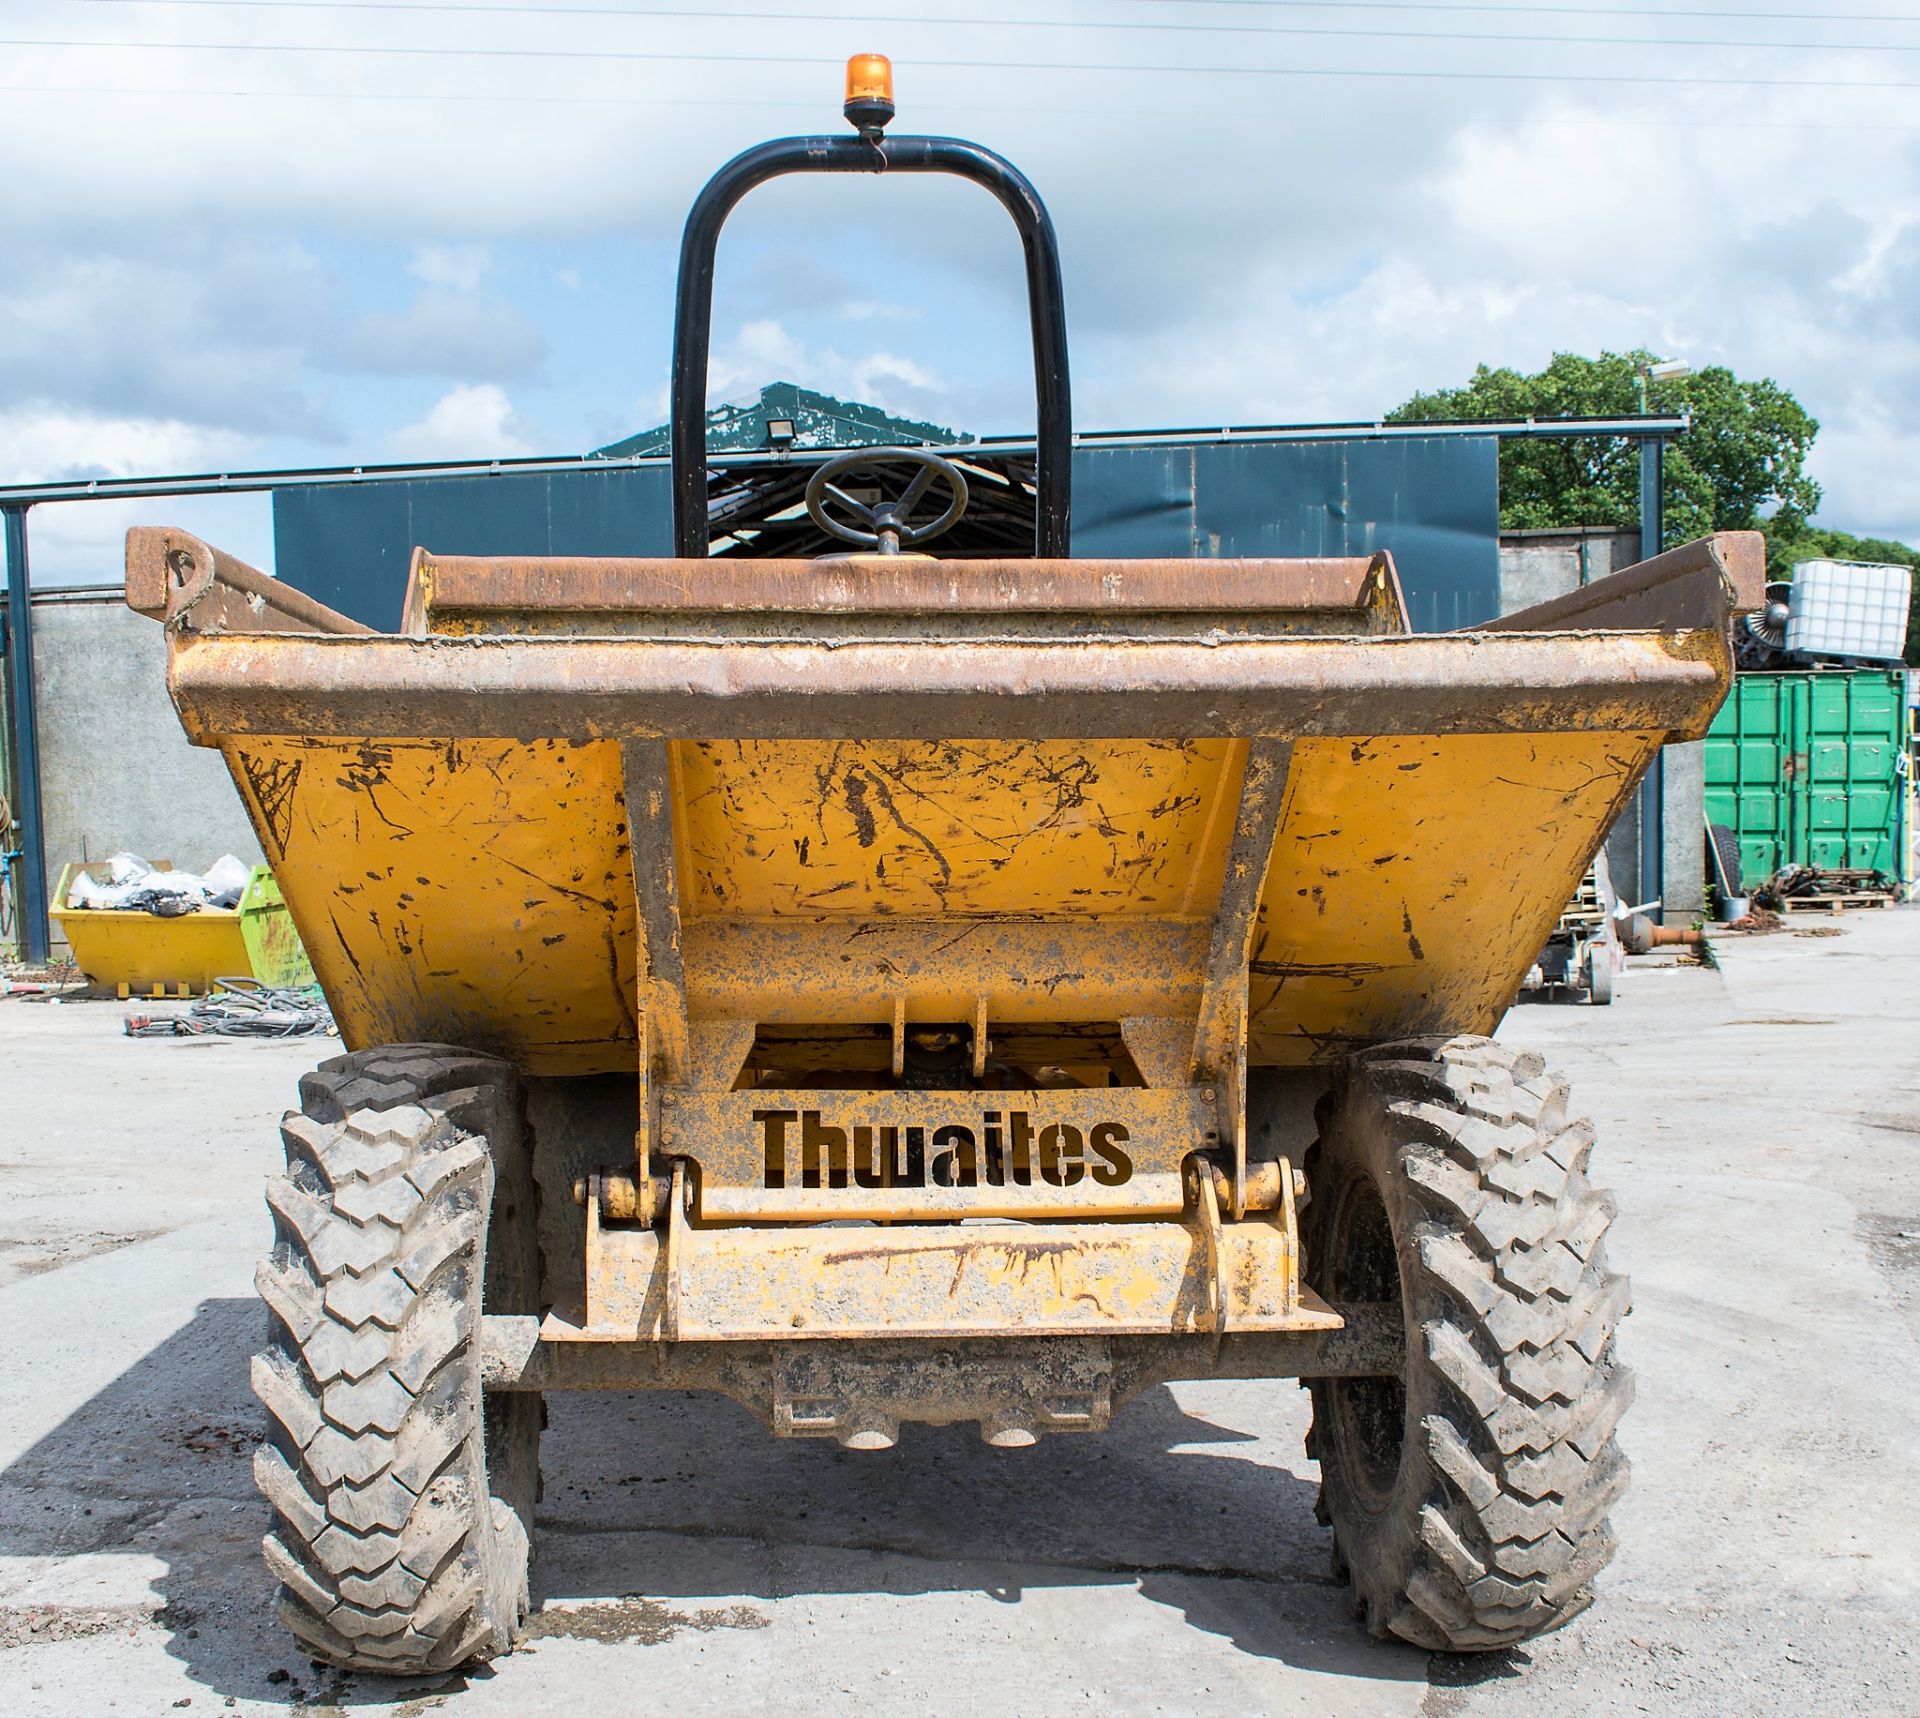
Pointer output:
x,y
140,954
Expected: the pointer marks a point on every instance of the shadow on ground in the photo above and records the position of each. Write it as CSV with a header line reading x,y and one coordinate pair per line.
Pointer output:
x,y
671,1512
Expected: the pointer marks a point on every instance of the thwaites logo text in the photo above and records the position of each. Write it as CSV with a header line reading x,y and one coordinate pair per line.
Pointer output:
x,y
997,1150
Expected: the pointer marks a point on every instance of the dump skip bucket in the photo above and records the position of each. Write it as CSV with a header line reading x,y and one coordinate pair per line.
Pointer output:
x,y
138,954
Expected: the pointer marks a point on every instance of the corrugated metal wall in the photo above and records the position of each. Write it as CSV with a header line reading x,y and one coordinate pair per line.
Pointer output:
x,y
1433,502
350,548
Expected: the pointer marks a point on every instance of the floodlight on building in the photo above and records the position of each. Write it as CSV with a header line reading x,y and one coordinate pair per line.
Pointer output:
x,y
1662,370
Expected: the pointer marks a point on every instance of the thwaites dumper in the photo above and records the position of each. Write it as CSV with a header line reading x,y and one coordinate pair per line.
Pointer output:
x,y
893,989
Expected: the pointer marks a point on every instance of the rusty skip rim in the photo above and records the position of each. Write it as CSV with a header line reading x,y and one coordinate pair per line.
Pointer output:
x,y
617,688
473,585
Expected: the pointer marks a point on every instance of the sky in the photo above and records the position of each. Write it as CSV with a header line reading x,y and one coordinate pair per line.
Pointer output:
x,y
256,233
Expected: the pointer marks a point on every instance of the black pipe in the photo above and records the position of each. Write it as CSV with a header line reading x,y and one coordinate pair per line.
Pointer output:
x,y
693,317
31,899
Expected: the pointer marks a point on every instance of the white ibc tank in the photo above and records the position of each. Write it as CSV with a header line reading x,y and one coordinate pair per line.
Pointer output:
x,y
1849,608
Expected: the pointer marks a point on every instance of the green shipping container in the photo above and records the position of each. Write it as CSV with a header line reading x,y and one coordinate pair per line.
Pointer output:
x,y
1808,769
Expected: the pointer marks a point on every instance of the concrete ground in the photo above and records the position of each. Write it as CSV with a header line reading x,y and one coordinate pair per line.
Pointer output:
x,y
1761,1124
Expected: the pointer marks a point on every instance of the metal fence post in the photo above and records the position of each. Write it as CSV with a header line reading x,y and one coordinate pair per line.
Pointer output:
x,y
1653,830
1652,500
29,876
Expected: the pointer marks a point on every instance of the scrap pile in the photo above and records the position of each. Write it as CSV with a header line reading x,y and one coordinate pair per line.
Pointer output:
x,y
1807,888
133,886
242,1008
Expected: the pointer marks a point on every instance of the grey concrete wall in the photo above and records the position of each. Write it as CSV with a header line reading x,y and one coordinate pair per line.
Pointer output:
x,y
1683,833
116,770
1536,565
1626,864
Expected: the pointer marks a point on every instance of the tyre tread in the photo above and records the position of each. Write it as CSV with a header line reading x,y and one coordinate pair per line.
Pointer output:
x,y
391,1554
1508,1279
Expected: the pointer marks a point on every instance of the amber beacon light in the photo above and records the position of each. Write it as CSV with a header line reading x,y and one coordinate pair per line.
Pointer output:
x,y
869,103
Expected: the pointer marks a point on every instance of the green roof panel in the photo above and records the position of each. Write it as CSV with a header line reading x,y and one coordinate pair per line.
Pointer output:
x,y
819,421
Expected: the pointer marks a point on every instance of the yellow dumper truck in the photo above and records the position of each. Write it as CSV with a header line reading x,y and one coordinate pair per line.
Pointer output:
x,y
890,989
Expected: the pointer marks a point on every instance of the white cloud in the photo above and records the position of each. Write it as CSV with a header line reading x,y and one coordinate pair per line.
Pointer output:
x,y
460,268
209,328
472,422
1314,248
765,350
442,333
82,542
1869,465
881,373
762,351
48,443
876,310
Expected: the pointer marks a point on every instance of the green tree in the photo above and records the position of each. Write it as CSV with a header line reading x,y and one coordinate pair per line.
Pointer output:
x,y
1742,466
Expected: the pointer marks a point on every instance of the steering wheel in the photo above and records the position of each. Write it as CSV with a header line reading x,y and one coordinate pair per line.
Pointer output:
x,y
883,525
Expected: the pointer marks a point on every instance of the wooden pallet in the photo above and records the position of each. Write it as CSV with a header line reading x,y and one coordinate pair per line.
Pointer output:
x,y
1831,903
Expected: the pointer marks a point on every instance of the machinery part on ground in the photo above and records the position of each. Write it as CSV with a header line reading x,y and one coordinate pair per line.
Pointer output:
x,y
1578,953
1603,946
1641,935
1600,973
403,1498
885,526
1799,888
1469,1496
1761,638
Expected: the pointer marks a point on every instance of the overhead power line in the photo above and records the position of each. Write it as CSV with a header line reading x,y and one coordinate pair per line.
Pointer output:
x,y
419,99
1158,69
1570,11
884,19
471,9
478,8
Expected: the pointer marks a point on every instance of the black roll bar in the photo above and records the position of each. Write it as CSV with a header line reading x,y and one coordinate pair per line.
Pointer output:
x,y
693,316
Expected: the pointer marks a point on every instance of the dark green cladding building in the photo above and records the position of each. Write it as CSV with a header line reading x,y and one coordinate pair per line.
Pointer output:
x,y
1429,498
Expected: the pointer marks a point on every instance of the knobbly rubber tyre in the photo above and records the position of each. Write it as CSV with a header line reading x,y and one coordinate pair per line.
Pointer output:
x,y
408,1201
1726,852
1599,973
1469,1498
